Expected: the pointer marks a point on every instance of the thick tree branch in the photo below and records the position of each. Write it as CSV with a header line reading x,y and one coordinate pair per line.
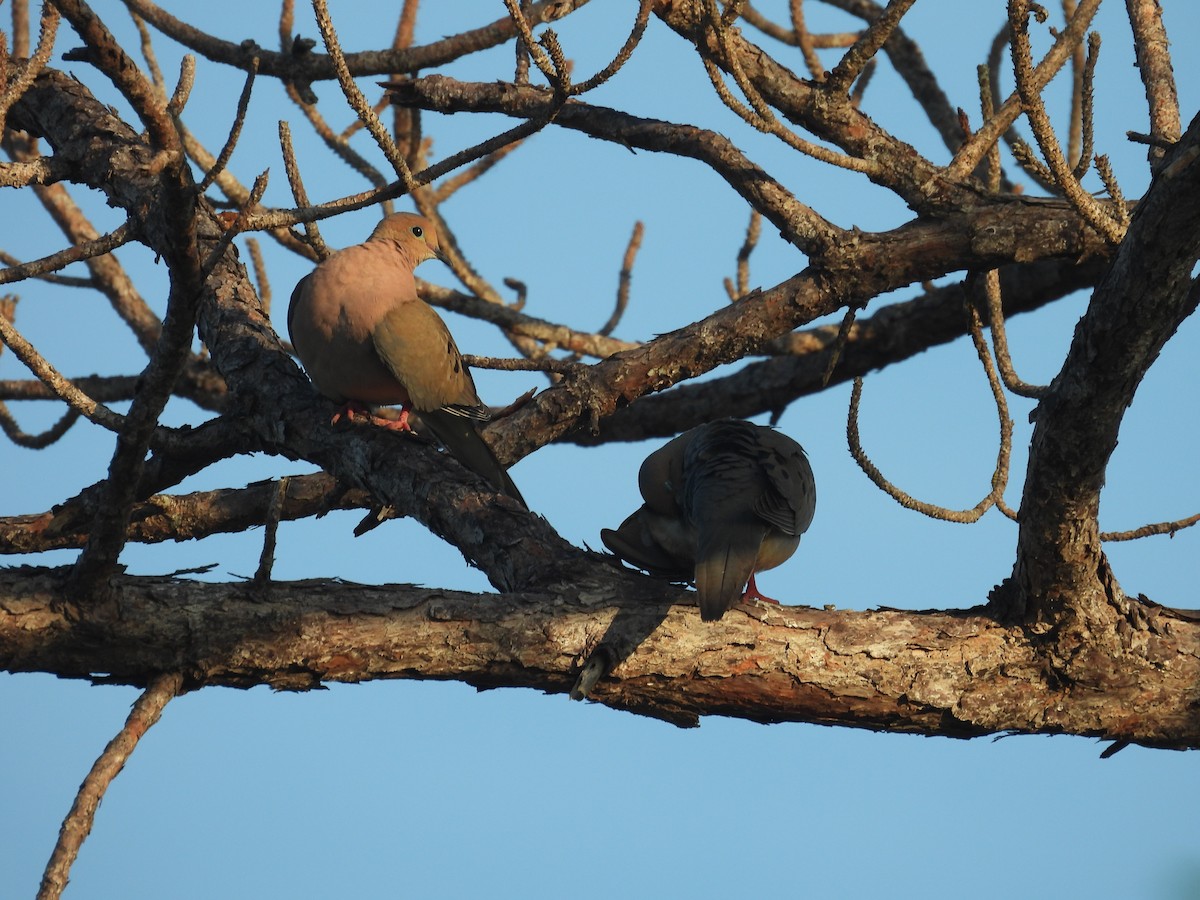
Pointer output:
x,y
828,114
897,332
863,267
1138,305
185,517
952,674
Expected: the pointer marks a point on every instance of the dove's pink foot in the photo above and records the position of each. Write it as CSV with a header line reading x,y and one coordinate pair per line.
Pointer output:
x,y
753,593
400,423
352,409
348,411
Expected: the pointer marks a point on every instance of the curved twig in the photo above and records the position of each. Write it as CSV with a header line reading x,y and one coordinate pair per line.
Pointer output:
x,y
1003,455
78,824
1167,528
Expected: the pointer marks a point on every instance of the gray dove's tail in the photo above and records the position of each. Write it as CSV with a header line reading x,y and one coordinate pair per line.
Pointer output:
x,y
724,563
460,437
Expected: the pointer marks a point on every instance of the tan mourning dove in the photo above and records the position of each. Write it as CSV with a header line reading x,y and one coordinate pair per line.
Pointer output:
x,y
723,501
366,339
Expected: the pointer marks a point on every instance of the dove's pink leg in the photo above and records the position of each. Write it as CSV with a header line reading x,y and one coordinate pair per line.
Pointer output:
x,y
348,411
400,423
753,593
351,409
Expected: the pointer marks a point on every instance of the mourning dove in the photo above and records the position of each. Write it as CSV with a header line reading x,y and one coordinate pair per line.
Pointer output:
x,y
366,339
722,501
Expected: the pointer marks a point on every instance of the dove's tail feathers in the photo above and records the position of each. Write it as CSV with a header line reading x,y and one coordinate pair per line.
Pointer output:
x,y
459,435
724,564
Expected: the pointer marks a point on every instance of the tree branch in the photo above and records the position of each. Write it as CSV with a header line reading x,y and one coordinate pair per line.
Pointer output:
x,y
887,669
78,823
185,517
895,333
1144,296
309,67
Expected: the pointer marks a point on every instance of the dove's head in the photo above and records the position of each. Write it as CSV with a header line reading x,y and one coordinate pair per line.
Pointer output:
x,y
415,236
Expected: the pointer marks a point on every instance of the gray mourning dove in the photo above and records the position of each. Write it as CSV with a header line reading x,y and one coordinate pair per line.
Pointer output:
x,y
366,339
723,501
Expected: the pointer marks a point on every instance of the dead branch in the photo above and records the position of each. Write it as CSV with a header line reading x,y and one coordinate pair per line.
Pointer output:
x,y
886,669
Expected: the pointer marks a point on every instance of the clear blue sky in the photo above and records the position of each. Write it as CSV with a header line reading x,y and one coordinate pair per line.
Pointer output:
x,y
434,790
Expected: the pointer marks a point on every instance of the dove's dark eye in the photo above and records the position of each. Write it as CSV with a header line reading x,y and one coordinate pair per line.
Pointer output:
x,y
417,231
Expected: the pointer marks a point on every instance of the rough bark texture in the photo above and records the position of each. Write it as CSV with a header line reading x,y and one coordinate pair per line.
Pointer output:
x,y
957,674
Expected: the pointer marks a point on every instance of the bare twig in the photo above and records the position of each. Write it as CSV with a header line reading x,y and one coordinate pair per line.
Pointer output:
x,y
148,54
990,284
274,511
906,57
511,319
62,280
454,184
184,517
753,232
903,498
63,258
1167,528
992,174
13,431
1075,130
967,159
838,40
78,823
1028,160
62,387
1003,455
42,439
804,39
357,101
338,143
406,122
29,71
540,364
865,48
292,167
1109,178
1039,121
839,344
110,57
1084,121
235,132
183,88
261,278
622,57
558,78
285,218
233,228
110,276
860,86
759,114
623,280
20,27
1154,62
